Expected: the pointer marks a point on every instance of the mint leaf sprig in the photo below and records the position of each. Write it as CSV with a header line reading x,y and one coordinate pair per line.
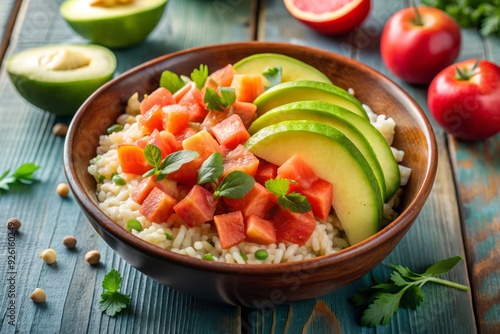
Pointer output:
x,y
214,101
273,75
24,174
402,290
112,300
293,201
170,164
174,82
234,186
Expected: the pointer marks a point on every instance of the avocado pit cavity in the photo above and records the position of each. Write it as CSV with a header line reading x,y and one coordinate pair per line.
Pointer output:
x,y
63,60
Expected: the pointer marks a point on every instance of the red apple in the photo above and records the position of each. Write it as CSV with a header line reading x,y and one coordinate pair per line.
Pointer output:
x,y
417,43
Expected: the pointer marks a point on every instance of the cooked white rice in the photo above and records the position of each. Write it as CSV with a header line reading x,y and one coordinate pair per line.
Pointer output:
x,y
116,202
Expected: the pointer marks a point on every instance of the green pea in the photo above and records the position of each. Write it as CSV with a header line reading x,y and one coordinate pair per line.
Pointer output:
x,y
208,257
101,179
133,224
118,180
114,128
261,254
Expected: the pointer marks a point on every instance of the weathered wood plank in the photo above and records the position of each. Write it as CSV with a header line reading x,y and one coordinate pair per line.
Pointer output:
x,y
435,235
477,167
73,287
8,14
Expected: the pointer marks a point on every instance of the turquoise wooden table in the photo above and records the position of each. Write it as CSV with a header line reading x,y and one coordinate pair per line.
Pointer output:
x,y
461,216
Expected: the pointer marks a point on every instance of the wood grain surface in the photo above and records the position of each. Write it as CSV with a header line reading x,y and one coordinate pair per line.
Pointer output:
x,y
467,225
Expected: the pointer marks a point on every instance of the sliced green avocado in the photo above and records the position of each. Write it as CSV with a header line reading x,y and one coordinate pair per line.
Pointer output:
x,y
303,90
356,194
119,26
292,69
59,78
343,120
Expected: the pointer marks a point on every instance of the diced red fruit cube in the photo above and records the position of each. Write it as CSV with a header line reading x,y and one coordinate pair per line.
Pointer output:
x,y
181,92
221,77
193,102
246,111
143,189
142,142
213,118
248,86
203,143
265,171
231,132
260,231
240,159
175,118
296,169
165,141
230,228
259,201
132,159
168,186
293,227
320,195
188,132
197,207
151,120
158,206
159,98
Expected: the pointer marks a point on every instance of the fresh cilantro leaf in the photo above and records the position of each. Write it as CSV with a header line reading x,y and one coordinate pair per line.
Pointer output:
x,y
273,75
211,169
170,164
402,290
24,174
199,76
293,201
214,101
235,185
171,81
112,301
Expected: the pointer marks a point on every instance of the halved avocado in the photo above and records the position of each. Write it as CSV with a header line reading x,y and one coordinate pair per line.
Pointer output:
x,y
345,121
303,90
59,78
119,26
356,199
292,69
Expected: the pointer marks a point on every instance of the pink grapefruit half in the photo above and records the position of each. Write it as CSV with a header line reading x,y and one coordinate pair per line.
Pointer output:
x,y
329,16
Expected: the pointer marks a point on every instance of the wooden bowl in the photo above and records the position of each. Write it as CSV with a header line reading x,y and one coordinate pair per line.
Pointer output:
x,y
253,285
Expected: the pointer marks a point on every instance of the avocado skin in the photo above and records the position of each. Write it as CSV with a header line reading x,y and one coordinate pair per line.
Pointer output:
x,y
119,32
55,97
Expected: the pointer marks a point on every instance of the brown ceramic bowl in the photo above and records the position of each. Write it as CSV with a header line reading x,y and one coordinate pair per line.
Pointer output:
x,y
252,285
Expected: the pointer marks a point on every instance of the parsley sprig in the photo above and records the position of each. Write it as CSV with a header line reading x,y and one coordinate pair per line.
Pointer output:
x,y
293,201
214,101
484,14
402,290
170,164
24,174
112,300
174,82
273,75
235,185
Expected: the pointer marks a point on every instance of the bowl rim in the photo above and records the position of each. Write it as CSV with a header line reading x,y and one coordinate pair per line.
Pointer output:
x,y
391,230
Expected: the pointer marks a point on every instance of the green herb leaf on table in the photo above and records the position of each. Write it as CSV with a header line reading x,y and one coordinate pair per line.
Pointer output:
x,y
273,75
170,164
293,201
211,169
112,300
214,101
402,290
199,76
24,174
171,81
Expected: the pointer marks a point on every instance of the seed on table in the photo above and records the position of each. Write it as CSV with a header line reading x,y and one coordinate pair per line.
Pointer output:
x,y
38,296
93,257
60,129
62,189
69,241
13,224
48,255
